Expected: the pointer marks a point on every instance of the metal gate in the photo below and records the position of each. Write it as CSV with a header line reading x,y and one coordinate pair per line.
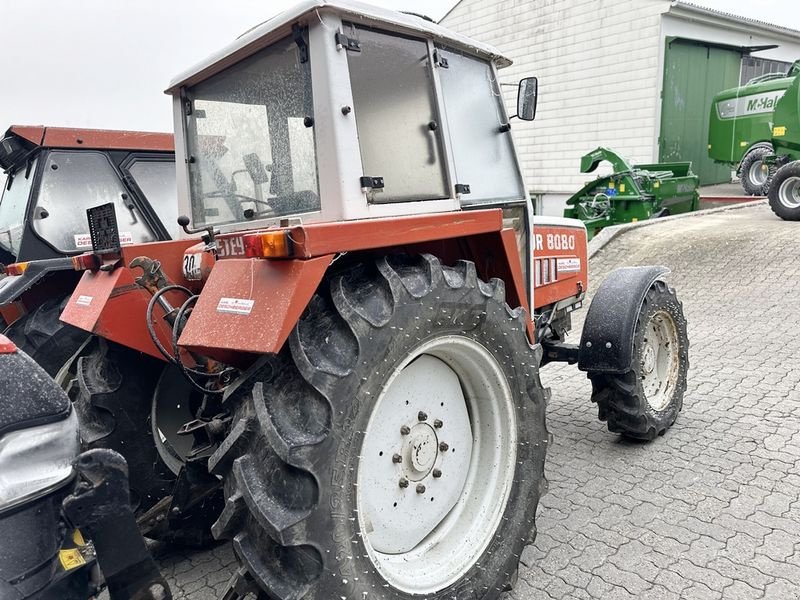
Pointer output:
x,y
693,74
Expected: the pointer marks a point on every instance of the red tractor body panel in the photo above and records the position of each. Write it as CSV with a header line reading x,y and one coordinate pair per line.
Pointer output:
x,y
249,305
105,139
560,265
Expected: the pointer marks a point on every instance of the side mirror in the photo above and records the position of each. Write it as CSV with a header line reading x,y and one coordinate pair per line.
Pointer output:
x,y
527,97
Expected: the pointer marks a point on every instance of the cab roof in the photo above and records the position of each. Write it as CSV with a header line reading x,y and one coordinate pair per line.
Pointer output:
x,y
94,139
280,26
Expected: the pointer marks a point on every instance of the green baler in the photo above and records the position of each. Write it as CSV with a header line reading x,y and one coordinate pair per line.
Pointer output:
x,y
784,191
739,128
632,192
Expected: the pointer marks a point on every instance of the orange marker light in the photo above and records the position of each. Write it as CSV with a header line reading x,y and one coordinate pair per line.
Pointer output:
x,y
16,268
268,244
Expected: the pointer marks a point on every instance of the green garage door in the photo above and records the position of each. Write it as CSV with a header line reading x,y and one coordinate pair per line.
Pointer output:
x,y
693,74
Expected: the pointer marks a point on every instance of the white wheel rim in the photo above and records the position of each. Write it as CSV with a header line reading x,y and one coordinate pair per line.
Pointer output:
x,y
419,545
758,173
789,192
659,360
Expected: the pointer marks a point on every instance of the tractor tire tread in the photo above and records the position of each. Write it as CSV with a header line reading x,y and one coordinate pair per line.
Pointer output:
x,y
275,467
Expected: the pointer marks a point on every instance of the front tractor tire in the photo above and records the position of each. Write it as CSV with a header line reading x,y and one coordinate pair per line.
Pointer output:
x,y
784,192
395,447
753,173
644,402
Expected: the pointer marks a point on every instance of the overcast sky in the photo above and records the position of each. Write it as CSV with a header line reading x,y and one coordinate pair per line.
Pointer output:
x,y
105,63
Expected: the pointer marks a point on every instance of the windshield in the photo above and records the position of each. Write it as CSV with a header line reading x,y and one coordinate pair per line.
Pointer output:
x,y
250,139
156,179
16,190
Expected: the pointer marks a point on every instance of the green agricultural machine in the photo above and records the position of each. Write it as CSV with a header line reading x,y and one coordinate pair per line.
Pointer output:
x,y
784,191
740,127
632,192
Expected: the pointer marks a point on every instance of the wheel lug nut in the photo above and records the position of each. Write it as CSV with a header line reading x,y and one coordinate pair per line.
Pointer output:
x,y
437,473
403,482
443,447
420,488
405,430
396,458
438,424
422,416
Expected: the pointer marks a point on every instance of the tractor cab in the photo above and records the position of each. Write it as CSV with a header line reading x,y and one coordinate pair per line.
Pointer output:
x,y
342,111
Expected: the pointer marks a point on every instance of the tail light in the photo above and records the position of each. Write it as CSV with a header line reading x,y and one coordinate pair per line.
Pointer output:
x,y
16,268
268,244
86,262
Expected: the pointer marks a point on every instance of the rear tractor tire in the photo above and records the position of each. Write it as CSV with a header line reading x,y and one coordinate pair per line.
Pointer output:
x,y
395,447
645,401
784,193
113,395
48,341
754,174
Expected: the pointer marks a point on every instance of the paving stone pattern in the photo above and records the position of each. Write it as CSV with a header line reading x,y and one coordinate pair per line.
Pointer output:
x,y
711,509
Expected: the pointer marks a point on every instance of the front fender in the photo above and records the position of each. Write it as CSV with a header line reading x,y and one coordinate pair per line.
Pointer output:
x,y
607,337
251,305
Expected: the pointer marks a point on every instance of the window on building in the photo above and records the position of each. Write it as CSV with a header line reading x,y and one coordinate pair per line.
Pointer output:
x,y
753,66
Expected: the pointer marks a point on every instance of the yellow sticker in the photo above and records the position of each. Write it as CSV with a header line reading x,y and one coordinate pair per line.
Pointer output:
x,y
743,144
634,220
778,131
71,558
611,185
77,537
657,184
621,188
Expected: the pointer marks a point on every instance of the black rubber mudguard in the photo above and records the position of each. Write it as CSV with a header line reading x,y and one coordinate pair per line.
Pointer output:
x,y
607,337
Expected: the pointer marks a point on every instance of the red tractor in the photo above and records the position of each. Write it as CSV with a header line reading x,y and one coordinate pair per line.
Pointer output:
x,y
359,330
53,175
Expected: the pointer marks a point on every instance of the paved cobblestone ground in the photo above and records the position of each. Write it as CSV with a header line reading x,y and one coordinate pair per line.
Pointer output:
x,y
711,509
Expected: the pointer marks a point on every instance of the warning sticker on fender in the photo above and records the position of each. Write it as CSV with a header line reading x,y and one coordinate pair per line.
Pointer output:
x,y
84,300
235,306
568,265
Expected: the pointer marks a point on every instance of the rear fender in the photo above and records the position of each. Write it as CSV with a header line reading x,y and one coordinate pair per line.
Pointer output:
x,y
111,305
250,305
607,338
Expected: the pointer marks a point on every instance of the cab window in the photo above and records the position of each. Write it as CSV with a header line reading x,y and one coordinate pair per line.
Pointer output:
x,y
396,116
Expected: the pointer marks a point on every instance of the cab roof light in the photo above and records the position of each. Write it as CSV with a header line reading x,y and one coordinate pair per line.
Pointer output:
x,y
16,268
268,244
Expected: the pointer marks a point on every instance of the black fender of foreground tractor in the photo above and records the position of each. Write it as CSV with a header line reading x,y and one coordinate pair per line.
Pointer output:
x,y
608,332
32,530
52,496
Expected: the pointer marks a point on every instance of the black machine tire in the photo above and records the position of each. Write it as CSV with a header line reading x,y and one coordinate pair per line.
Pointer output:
x,y
113,396
621,399
752,183
784,192
291,459
113,392
48,341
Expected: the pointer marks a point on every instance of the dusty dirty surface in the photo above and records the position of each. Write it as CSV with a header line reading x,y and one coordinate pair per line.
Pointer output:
x,y
711,509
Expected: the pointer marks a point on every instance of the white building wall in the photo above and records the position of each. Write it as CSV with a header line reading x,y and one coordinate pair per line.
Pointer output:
x,y
599,79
